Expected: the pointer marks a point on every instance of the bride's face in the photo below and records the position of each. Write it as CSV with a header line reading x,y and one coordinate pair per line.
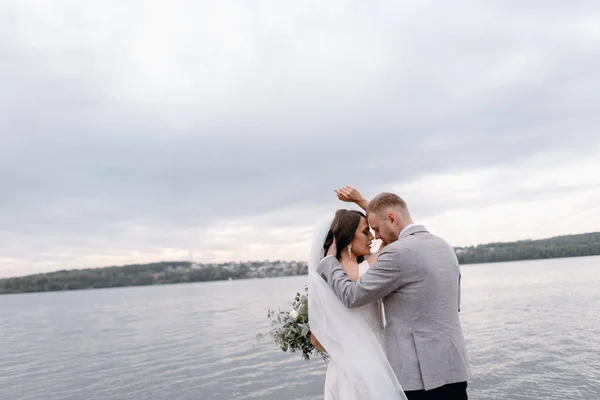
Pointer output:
x,y
361,243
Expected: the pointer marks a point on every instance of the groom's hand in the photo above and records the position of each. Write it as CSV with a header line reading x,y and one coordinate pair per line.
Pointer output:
x,y
332,250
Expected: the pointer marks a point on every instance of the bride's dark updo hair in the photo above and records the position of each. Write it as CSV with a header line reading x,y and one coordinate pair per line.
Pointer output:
x,y
343,228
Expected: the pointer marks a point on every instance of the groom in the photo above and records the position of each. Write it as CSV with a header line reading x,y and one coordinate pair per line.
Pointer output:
x,y
417,276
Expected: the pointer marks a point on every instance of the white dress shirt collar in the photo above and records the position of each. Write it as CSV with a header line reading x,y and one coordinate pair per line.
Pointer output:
x,y
405,228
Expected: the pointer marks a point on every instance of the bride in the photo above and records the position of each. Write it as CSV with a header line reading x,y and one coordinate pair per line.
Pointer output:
x,y
353,338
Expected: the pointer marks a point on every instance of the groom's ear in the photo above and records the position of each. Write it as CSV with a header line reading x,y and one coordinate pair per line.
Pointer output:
x,y
392,217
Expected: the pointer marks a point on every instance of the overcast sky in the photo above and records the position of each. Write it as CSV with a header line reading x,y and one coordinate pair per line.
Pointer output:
x,y
138,131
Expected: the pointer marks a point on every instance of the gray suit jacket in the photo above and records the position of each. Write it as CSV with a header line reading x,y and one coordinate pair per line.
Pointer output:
x,y
418,279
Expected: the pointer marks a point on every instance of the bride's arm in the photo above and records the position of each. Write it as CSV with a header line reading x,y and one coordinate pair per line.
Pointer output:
x,y
316,343
373,257
351,195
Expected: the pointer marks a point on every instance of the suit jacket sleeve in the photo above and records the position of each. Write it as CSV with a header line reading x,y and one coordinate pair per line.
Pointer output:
x,y
459,279
380,280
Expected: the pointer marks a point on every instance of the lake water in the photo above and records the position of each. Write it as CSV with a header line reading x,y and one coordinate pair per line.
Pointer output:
x,y
532,330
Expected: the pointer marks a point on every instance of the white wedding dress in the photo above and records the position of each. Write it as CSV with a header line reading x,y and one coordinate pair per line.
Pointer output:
x,y
338,386
353,338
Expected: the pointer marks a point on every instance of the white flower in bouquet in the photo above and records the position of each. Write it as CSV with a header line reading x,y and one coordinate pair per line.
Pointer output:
x,y
294,315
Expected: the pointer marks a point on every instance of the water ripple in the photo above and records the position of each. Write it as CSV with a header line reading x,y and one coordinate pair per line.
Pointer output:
x,y
532,331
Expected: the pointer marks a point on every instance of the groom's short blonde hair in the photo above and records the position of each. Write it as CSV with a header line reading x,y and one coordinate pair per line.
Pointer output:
x,y
385,201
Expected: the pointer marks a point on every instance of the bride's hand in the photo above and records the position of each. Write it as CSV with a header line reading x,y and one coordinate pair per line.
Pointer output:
x,y
349,194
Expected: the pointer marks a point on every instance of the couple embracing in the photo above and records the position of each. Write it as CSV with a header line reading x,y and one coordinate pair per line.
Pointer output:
x,y
389,320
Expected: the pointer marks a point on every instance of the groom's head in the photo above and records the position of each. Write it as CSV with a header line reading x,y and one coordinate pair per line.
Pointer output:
x,y
388,215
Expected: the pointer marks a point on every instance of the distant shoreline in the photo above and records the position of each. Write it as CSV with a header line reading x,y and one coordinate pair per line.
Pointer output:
x,y
250,279
173,272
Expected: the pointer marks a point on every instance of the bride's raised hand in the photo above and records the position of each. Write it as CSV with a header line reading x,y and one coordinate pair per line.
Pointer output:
x,y
350,194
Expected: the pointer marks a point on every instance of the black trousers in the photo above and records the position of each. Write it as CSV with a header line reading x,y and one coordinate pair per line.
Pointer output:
x,y
452,391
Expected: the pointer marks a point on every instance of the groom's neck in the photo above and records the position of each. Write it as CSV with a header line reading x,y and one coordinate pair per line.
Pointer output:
x,y
404,222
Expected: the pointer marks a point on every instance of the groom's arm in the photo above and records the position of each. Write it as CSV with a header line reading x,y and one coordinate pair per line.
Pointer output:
x,y
380,280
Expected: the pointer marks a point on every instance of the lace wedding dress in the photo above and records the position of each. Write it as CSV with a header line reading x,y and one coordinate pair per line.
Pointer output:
x,y
338,386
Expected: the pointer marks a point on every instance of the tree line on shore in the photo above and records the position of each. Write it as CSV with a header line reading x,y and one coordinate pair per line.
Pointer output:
x,y
170,272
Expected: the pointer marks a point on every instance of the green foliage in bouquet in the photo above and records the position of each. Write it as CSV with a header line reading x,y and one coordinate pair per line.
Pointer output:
x,y
290,329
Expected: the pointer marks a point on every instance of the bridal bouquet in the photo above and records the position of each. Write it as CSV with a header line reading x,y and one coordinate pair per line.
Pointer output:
x,y
290,329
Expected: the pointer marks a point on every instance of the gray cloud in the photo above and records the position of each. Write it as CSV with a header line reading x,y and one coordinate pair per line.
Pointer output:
x,y
139,128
